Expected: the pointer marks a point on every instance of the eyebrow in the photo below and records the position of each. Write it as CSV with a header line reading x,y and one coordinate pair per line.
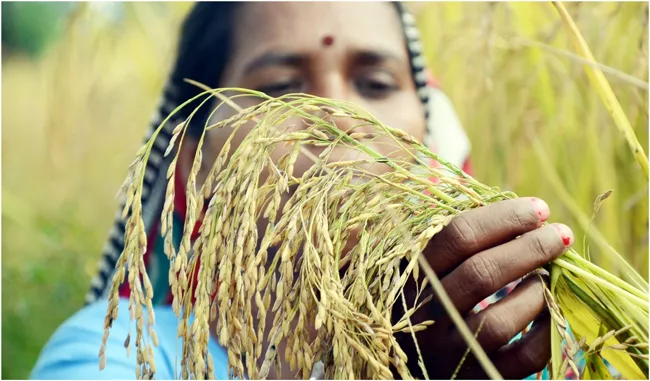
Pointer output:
x,y
275,59
364,57
374,57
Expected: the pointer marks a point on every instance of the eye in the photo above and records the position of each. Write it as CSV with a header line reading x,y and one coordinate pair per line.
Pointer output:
x,y
280,88
376,85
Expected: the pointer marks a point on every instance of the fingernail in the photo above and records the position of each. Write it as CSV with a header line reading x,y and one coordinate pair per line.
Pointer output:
x,y
565,233
542,209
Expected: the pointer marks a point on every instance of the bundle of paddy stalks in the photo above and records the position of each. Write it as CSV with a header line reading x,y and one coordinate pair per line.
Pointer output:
x,y
325,254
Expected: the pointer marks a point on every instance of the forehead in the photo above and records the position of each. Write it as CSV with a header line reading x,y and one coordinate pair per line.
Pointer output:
x,y
301,26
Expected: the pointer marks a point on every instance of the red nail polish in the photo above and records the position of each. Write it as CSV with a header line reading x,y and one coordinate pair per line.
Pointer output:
x,y
542,209
565,233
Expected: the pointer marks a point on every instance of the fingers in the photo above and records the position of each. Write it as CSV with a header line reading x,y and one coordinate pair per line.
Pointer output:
x,y
481,228
528,355
503,320
485,273
519,359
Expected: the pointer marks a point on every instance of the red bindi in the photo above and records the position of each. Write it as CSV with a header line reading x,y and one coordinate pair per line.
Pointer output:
x,y
328,40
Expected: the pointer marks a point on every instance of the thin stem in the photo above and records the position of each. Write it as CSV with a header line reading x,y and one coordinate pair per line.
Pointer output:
x,y
605,274
476,348
615,289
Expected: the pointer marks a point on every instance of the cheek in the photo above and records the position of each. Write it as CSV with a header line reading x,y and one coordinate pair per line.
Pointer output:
x,y
406,113
403,111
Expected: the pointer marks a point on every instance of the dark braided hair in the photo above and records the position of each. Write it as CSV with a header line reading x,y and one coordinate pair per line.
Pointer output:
x,y
203,52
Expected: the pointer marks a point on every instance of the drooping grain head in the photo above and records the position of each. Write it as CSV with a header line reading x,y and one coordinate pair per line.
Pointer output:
x,y
302,264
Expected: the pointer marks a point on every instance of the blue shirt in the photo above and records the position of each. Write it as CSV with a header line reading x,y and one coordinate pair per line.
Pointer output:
x,y
72,352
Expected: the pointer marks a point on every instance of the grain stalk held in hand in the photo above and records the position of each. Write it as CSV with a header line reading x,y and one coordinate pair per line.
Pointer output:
x,y
309,267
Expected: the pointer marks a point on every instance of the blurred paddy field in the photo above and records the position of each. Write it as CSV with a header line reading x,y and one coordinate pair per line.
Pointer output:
x,y
73,117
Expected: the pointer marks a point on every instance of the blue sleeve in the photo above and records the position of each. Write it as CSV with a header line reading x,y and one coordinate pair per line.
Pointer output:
x,y
72,352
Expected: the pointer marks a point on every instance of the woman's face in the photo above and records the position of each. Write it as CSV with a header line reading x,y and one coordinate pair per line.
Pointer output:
x,y
349,51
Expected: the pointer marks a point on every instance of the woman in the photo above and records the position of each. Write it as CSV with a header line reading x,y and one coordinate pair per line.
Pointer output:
x,y
367,53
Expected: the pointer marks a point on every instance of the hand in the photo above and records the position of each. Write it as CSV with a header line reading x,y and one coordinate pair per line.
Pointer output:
x,y
476,255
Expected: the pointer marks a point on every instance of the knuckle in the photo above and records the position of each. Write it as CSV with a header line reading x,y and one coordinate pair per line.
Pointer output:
x,y
461,236
482,273
498,330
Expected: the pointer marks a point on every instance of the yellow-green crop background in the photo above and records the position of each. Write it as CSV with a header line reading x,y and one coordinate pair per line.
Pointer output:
x,y
73,119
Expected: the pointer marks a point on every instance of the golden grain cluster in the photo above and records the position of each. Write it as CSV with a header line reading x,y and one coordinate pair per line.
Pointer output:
x,y
309,267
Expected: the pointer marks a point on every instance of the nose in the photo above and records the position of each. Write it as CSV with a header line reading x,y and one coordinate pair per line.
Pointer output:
x,y
331,84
